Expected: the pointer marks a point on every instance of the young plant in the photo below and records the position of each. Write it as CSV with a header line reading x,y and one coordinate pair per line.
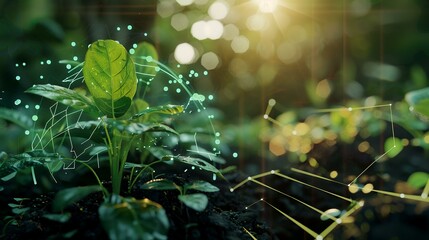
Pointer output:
x,y
121,121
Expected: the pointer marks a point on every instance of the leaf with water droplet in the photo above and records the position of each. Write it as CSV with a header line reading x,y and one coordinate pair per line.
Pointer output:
x,y
110,76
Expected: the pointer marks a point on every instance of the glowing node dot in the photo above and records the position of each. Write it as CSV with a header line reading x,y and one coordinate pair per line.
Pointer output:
x,y
48,62
265,116
41,77
319,237
157,69
217,141
272,102
210,97
165,89
196,75
18,78
424,195
35,118
261,199
17,102
27,132
145,34
27,106
75,58
132,51
24,64
272,171
217,134
135,45
73,44
16,65
206,73
246,208
349,109
118,29
178,90
68,66
42,62
401,195
37,107
338,221
235,155
129,27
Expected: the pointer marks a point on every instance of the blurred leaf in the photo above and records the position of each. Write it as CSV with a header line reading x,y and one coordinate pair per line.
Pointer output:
x,y
419,102
63,95
68,196
418,76
62,218
145,57
418,179
110,76
9,165
328,214
196,201
206,154
138,128
159,152
16,117
166,109
194,162
160,184
393,146
202,186
20,210
134,219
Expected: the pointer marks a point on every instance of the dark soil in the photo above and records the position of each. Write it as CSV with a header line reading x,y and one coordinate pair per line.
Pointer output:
x,y
224,218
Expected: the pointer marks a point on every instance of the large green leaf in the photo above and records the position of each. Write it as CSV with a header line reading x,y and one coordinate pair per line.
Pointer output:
x,y
196,201
16,117
110,76
134,219
68,196
419,102
138,128
63,95
10,165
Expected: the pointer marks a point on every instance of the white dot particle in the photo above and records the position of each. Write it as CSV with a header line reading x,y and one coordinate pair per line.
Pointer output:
x,y
249,178
73,44
231,189
401,195
18,78
265,116
27,132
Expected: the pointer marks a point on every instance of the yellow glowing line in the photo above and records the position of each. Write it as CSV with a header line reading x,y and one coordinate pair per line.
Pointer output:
x,y
316,176
250,234
425,190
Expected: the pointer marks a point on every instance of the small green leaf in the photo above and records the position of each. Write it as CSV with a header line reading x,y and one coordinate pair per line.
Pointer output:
x,y
194,162
20,210
63,95
419,102
110,76
134,219
160,184
202,186
196,201
68,196
418,179
393,146
138,128
1,188
159,152
62,218
166,109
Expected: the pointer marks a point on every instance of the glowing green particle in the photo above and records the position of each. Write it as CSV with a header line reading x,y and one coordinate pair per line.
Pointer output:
x,y
217,134
73,44
37,107
17,102
192,71
135,45
178,65
145,34
41,77
41,62
75,58
206,73
170,81
157,69
235,155
217,142
68,66
165,89
178,90
187,82
118,29
16,65
18,78
196,74
180,76
149,58
27,106
48,62
24,64
132,51
27,132
210,97
34,117
129,27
